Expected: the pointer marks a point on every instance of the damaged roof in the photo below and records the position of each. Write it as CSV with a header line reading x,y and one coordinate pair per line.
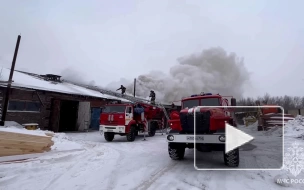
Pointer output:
x,y
38,82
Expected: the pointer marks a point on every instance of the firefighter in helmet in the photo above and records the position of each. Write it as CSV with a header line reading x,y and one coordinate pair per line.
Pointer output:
x,y
172,106
152,95
123,89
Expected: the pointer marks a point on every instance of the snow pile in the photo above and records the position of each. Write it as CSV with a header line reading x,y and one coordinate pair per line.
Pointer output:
x,y
274,131
15,129
295,128
61,141
252,127
12,123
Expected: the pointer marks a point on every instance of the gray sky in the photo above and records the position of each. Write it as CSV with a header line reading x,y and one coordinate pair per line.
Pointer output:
x,y
109,40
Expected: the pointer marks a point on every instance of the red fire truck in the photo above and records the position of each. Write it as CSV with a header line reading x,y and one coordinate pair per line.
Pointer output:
x,y
130,119
210,127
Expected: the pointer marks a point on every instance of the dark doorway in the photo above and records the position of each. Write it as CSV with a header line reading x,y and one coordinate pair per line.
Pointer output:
x,y
54,115
68,116
95,117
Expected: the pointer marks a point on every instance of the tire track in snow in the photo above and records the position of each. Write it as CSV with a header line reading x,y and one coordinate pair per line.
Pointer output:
x,y
146,184
79,164
65,173
59,176
114,175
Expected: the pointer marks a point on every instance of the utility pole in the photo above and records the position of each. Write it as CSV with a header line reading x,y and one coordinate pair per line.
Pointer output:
x,y
4,110
134,86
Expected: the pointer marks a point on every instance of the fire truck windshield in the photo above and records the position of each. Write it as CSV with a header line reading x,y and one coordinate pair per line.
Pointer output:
x,y
210,102
190,103
204,102
114,109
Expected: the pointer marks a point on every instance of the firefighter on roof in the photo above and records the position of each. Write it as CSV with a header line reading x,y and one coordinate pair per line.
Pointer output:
x,y
152,95
123,89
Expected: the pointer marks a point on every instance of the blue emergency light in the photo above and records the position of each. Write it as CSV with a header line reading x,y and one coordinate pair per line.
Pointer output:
x,y
203,94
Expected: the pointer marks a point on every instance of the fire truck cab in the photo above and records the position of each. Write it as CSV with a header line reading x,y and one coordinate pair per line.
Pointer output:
x,y
128,120
208,126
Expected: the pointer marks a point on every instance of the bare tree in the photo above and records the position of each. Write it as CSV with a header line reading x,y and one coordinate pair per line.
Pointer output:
x,y
302,102
297,101
266,98
287,102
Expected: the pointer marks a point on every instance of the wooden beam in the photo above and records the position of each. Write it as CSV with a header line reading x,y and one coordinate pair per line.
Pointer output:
x,y
40,99
10,135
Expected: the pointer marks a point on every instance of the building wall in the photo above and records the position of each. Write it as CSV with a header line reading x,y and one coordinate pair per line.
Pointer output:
x,y
302,112
42,117
22,117
97,103
294,112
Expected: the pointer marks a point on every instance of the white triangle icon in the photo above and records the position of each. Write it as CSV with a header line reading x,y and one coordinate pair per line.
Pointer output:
x,y
235,138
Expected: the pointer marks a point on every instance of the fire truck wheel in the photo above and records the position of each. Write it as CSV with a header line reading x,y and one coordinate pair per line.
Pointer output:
x,y
153,127
131,134
152,131
109,136
232,158
176,152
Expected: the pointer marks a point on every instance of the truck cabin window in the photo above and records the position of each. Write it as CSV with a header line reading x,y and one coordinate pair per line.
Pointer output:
x,y
210,102
129,110
114,109
204,102
190,103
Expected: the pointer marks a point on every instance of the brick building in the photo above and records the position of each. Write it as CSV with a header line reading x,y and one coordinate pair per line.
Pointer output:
x,y
52,103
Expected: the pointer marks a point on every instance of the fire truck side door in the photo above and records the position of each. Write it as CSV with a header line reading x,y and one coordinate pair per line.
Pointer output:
x,y
128,115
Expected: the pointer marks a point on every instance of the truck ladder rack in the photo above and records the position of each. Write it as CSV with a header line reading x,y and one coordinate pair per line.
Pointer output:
x,y
127,97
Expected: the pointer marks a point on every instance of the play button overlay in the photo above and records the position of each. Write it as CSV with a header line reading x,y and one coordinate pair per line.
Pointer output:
x,y
235,138
253,142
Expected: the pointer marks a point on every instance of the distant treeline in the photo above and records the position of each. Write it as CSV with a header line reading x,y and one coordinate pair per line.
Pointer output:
x,y
287,102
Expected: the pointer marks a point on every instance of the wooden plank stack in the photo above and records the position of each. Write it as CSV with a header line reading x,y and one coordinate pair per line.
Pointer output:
x,y
12,143
276,119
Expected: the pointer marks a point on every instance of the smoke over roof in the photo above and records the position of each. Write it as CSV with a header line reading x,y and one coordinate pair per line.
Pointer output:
x,y
213,70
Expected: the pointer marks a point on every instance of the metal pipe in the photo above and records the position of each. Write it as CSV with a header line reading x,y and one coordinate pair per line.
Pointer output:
x,y
134,87
3,117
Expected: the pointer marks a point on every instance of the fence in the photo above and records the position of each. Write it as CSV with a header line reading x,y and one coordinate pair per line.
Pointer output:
x,y
270,119
295,112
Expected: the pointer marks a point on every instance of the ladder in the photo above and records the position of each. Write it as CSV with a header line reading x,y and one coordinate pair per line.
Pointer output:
x,y
127,97
165,111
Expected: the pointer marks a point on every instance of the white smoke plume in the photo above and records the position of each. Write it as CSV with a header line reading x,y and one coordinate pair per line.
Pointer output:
x,y
213,70
74,75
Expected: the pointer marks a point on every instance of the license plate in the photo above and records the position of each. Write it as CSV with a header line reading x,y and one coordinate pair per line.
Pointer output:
x,y
110,130
191,138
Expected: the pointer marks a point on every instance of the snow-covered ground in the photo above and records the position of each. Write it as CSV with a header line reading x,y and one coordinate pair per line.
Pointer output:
x,y
87,161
